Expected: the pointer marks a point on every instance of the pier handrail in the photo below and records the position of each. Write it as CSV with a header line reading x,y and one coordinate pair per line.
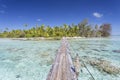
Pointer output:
x,y
75,52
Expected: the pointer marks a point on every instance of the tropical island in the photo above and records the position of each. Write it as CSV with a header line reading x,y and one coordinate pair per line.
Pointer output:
x,y
83,29
59,40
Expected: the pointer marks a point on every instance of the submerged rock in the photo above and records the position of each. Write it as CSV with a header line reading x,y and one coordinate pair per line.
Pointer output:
x,y
104,50
117,51
18,76
18,58
96,50
45,54
49,62
46,62
14,49
103,65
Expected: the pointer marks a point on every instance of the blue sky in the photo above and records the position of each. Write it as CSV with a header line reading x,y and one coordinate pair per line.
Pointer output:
x,y
15,13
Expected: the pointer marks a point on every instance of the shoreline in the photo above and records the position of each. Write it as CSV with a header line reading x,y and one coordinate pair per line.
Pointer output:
x,y
43,38
52,38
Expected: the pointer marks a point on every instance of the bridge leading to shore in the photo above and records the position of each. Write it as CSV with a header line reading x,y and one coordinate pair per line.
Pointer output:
x,y
62,68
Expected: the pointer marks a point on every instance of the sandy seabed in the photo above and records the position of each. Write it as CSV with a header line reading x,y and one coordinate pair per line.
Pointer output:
x,y
32,60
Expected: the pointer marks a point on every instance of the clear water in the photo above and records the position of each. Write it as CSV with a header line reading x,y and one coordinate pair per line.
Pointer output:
x,y
100,48
26,60
31,60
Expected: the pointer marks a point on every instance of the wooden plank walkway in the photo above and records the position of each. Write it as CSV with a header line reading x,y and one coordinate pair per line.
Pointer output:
x,y
62,68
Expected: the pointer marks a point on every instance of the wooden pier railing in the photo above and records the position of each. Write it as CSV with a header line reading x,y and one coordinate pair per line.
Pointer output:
x,y
62,68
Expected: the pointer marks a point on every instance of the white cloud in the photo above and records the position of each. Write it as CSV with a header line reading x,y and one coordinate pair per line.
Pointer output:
x,y
38,20
2,11
97,15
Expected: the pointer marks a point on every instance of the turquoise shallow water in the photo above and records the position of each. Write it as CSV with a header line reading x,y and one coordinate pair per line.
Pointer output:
x,y
100,49
31,60
26,60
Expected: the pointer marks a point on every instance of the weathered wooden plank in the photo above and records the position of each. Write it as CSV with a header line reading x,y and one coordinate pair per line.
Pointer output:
x,y
62,66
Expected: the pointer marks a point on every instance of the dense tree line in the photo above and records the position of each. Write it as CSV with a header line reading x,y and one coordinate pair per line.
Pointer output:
x,y
83,29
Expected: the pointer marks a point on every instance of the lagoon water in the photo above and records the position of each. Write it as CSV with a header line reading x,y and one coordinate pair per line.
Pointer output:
x,y
99,48
32,60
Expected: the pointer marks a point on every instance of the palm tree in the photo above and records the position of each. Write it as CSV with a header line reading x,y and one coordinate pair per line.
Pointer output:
x,y
106,30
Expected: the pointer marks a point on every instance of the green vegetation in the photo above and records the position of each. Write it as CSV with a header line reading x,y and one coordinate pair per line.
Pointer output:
x,y
83,29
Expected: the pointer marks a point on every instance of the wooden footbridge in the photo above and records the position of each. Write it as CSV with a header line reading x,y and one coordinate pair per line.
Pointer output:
x,y
62,68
